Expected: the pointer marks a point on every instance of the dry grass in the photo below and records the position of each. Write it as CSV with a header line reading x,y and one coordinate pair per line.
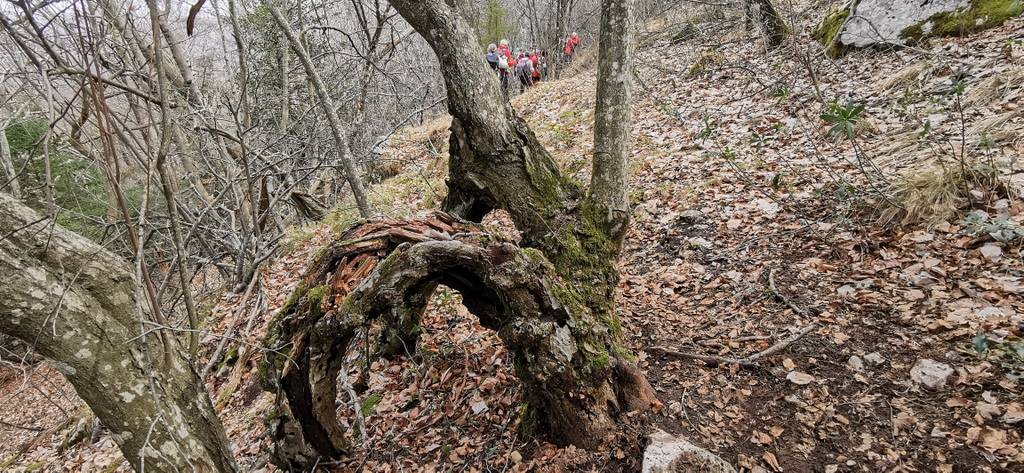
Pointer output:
x,y
908,74
1001,128
940,194
998,86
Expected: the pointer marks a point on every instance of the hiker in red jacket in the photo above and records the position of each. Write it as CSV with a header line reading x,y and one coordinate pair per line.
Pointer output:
x,y
535,59
504,49
570,46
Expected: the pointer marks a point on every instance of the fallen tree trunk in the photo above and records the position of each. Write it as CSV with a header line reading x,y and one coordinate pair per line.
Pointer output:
x,y
74,302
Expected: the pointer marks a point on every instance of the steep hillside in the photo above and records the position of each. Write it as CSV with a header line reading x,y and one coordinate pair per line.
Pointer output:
x,y
782,284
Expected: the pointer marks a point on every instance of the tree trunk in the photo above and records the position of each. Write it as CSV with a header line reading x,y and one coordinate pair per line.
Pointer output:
x,y
552,303
10,176
75,303
774,27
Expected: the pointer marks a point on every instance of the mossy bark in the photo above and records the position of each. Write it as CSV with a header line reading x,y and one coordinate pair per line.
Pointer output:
x,y
827,33
74,303
575,380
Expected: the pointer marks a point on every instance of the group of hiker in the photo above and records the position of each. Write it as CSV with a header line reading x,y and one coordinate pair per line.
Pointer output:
x,y
523,68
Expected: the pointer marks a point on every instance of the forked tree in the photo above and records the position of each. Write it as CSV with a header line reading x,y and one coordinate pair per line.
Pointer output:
x,y
550,298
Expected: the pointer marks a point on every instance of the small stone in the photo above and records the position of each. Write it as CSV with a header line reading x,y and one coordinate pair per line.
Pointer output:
x,y
691,217
855,363
478,407
931,374
874,358
698,243
801,378
991,252
515,456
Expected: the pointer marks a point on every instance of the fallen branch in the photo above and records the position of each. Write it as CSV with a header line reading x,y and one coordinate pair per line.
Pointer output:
x,y
778,295
747,362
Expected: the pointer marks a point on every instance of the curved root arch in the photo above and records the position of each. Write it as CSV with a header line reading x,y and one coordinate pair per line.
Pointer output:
x,y
387,271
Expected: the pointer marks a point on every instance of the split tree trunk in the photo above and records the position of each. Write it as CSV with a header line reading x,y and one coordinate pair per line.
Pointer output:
x,y
74,302
552,302
497,162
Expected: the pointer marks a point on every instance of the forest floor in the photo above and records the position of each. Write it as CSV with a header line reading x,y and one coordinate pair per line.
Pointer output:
x,y
751,224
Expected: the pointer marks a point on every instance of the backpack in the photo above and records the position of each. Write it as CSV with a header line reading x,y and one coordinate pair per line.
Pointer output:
x,y
502,62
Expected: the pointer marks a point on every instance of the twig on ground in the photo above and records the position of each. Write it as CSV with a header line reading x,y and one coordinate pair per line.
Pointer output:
x,y
778,295
747,362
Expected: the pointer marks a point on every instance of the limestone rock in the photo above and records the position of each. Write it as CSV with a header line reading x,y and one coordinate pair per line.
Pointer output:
x,y
931,374
855,363
864,23
874,358
670,454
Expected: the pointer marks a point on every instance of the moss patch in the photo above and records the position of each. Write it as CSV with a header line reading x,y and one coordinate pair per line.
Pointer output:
x,y
827,31
980,15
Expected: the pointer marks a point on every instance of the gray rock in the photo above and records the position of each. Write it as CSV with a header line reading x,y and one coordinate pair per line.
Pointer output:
x,y
698,243
931,374
855,363
670,454
691,217
874,358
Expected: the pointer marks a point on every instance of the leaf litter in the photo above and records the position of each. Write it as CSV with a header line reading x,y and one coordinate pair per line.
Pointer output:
x,y
733,186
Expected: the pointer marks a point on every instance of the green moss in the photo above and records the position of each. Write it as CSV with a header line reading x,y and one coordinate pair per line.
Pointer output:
x,y
827,31
600,361
369,404
315,297
980,15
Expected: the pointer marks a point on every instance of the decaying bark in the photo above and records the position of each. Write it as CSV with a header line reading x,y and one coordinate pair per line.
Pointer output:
x,y
75,303
550,300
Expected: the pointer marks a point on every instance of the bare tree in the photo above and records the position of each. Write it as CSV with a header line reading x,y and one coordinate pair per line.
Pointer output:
x,y
327,103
